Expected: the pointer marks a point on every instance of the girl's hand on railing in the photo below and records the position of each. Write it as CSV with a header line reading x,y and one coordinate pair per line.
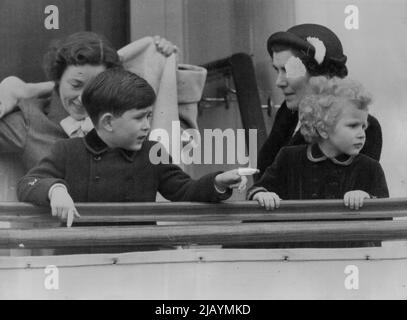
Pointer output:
x,y
62,205
269,200
354,199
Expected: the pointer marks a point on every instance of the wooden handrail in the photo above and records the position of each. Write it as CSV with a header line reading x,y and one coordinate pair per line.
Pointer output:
x,y
200,212
213,224
245,233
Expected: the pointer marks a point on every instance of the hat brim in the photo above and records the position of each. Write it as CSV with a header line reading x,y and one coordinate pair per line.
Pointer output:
x,y
290,40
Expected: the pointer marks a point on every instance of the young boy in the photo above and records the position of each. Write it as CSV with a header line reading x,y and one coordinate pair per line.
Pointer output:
x,y
333,120
112,164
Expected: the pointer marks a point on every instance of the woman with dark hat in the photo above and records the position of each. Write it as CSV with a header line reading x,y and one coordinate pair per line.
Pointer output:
x,y
301,52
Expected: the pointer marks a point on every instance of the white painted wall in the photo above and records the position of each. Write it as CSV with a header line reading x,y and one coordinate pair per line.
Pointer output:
x,y
158,17
198,274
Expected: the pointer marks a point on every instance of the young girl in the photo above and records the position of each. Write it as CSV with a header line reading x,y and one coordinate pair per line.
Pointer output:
x,y
333,120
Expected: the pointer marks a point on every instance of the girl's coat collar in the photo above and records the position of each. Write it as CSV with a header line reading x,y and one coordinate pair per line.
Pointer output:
x,y
315,154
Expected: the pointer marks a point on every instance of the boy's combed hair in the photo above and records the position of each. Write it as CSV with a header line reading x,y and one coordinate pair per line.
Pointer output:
x,y
320,109
116,91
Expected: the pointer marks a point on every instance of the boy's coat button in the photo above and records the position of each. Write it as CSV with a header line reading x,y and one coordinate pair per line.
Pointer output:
x,y
97,178
97,158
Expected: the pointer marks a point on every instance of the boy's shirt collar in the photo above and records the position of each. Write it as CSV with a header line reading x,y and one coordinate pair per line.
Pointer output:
x,y
315,154
74,128
97,146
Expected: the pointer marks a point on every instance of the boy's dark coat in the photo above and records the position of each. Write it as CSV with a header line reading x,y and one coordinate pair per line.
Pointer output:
x,y
94,173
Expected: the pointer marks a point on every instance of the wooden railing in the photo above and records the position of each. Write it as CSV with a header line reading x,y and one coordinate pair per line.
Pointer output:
x,y
205,224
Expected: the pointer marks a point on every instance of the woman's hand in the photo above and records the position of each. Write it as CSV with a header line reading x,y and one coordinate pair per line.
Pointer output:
x,y
269,200
164,46
13,90
354,199
62,205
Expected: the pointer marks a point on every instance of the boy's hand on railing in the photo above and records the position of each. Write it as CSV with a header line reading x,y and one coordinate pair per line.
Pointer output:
x,y
354,199
62,205
164,46
269,200
231,179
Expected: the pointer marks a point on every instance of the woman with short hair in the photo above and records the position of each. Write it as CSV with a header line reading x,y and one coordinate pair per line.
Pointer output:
x,y
29,130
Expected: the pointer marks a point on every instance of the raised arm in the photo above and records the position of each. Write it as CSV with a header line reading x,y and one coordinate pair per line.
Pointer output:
x,y
13,133
35,186
13,90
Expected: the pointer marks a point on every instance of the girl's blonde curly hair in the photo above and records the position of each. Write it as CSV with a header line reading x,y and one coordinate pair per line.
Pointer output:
x,y
320,109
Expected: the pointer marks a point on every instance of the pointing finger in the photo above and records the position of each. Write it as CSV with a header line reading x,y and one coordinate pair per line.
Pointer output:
x,y
277,200
361,202
346,200
70,218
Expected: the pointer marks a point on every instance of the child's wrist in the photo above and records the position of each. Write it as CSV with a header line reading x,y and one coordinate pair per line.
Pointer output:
x,y
220,189
219,185
251,193
54,187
